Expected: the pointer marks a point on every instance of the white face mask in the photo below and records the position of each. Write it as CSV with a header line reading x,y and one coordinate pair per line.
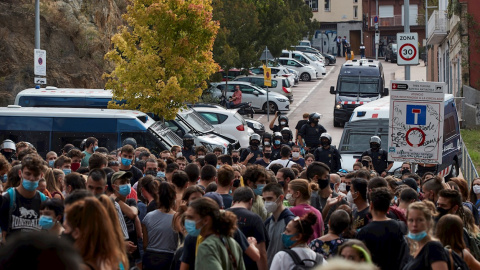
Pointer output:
x,y
476,189
283,123
342,187
270,206
290,199
179,154
201,156
350,198
295,154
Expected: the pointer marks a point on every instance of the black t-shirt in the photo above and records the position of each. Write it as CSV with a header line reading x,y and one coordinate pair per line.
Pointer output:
x,y
251,225
24,217
300,161
433,251
261,162
278,128
386,242
152,206
256,153
227,200
360,218
130,222
137,174
300,124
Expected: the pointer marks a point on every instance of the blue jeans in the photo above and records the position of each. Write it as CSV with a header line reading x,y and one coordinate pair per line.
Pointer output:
x,y
157,260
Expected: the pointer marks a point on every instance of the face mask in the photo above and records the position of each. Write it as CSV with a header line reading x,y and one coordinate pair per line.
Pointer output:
x,y
125,161
95,148
201,156
374,146
124,190
324,143
137,159
179,154
235,159
350,198
46,222
267,155
75,166
295,154
277,142
442,212
348,187
404,171
218,166
151,172
254,144
161,174
4,180
50,163
323,183
68,237
365,163
190,227
287,240
315,121
290,199
67,171
286,138
332,186
417,236
7,155
342,187
29,185
271,206
258,190
283,123
476,189
267,143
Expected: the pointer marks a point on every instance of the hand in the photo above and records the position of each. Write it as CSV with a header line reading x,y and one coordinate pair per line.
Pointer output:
x,y
331,201
130,247
276,113
384,174
306,148
252,240
250,156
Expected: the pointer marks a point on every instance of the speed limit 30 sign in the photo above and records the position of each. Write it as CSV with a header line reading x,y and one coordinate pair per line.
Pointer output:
x,y
407,49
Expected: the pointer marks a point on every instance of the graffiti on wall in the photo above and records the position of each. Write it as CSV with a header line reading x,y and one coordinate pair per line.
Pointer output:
x,y
326,41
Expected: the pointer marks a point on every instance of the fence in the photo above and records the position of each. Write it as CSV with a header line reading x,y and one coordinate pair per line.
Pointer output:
x,y
468,168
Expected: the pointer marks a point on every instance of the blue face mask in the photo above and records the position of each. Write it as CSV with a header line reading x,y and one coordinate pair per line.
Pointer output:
x,y
417,236
259,189
277,142
46,222
95,148
4,180
190,227
29,185
218,166
50,163
126,161
287,240
124,190
67,171
161,174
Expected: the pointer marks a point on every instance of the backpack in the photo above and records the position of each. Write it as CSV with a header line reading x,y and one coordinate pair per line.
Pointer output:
x,y
473,244
300,264
454,260
12,194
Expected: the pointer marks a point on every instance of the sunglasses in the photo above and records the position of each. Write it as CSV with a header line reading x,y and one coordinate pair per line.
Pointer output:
x,y
299,222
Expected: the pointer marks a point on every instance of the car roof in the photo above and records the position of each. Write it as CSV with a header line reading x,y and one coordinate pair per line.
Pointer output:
x,y
362,62
66,92
68,112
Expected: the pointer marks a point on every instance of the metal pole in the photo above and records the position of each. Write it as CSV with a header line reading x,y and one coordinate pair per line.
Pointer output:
x,y
426,38
37,24
376,29
406,29
268,100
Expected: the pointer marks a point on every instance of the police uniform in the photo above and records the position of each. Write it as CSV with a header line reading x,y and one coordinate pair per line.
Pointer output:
x,y
379,159
188,152
256,154
331,157
311,135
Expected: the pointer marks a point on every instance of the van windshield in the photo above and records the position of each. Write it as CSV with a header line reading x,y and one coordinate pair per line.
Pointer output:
x,y
196,121
164,133
358,85
358,141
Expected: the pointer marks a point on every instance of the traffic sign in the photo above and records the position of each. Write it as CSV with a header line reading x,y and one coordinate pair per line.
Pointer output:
x,y
267,76
375,19
416,122
407,53
40,62
38,80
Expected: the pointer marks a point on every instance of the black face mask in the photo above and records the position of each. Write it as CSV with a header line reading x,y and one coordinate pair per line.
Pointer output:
x,y
254,145
316,121
442,212
267,155
332,186
365,163
236,183
374,146
7,155
323,183
282,183
151,172
405,171
325,143
235,159
348,188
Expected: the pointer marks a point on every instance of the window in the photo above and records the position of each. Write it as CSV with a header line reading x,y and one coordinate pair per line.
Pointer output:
x,y
247,89
385,11
355,11
327,5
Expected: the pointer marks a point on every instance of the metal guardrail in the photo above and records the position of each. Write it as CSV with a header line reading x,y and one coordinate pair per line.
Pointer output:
x,y
467,167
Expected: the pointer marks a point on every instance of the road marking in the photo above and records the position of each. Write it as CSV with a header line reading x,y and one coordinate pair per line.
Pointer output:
x,y
310,91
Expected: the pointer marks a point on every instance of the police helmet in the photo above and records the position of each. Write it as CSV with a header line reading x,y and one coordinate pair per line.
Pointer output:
x,y
314,116
283,118
376,139
188,137
277,135
287,131
131,141
326,136
82,144
8,144
255,136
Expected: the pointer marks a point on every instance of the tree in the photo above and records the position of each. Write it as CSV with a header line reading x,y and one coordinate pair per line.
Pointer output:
x,y
163,57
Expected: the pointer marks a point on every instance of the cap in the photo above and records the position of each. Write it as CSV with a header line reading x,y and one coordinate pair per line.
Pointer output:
x,y
121,174
216,197
410,182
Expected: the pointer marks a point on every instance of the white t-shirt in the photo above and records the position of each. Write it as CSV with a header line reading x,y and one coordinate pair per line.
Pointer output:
x,y
286,163
283,261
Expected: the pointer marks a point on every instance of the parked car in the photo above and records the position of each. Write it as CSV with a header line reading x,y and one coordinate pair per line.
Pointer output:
x,y
252,94
226,121
329,59
279,85
308,49
295,74
257,127
279,70
307,73
307,60
305,43
391,52
232,73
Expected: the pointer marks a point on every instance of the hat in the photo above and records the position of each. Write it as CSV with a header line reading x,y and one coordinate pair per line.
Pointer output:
x,y
410,182
121,174
216,197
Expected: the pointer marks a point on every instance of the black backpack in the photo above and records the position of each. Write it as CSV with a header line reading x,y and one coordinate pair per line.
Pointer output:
x,y
300,264
455,262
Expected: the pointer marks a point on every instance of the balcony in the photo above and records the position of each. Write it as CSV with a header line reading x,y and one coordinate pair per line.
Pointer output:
x,y
397,20
437,27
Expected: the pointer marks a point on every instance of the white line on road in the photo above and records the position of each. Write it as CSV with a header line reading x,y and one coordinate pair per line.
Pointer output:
x,y
310,91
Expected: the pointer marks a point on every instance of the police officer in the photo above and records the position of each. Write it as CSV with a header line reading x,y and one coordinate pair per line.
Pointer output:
x,y
328,154
253,151
282,122
287,137
267,139
7,148
379,156
188,150
277,146
310,133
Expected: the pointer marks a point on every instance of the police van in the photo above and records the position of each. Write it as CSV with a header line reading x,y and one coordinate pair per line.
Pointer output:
x,y
186,121
373,119
49,129
359,82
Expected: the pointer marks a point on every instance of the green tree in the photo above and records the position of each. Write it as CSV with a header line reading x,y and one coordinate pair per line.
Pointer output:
x,y
163,57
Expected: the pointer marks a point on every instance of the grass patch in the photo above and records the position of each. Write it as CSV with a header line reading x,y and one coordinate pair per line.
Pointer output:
x,y
471,139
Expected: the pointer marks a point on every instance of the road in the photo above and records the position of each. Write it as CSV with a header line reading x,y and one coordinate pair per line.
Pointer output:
x,y
315,96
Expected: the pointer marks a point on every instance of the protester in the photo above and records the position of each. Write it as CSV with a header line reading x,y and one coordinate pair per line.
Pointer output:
x,y
327,245
355,250
51,216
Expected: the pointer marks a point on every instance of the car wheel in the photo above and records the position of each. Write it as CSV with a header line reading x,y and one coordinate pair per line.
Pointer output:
x,y
306,77
327,62
273,107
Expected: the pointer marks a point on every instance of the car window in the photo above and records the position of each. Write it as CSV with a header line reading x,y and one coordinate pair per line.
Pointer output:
x,y
291,63
257,70
210,117
274,84
285,83
231,87
285,55
221,118
246,89
243,79
221,86
275,70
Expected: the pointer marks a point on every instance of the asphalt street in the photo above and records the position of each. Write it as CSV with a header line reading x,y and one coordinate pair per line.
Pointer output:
x,y
314,96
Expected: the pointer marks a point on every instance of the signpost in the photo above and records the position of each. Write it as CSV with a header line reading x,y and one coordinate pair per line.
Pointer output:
x,y
40,58
407,53
416,122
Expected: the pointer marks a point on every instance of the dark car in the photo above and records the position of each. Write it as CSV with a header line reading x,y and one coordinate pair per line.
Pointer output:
x,y
329,59
391,52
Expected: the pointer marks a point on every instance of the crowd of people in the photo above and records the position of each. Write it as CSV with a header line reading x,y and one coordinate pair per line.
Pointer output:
x,y
284,202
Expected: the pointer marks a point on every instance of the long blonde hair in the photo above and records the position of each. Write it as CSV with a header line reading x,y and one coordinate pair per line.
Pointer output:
x,y
426,209
51,181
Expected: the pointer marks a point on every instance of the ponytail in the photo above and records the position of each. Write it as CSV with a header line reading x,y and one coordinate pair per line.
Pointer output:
x,y
223,222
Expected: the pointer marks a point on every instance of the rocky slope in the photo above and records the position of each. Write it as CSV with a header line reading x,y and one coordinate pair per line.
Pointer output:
x,y
76,34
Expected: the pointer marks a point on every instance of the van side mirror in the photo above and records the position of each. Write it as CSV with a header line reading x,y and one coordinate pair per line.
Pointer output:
x,y
255,92
385,92
332,90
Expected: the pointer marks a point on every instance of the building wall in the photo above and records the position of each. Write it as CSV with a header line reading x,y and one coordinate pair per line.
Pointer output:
x,y
340,11
474,45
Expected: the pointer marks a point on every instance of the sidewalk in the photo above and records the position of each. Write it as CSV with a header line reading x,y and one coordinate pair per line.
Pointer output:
x,y
417,73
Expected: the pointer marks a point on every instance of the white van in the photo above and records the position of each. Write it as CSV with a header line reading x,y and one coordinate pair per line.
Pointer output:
x,y
373,119
279,84
307,60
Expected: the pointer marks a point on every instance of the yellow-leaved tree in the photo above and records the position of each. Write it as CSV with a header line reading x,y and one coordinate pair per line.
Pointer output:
x,y
163,57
